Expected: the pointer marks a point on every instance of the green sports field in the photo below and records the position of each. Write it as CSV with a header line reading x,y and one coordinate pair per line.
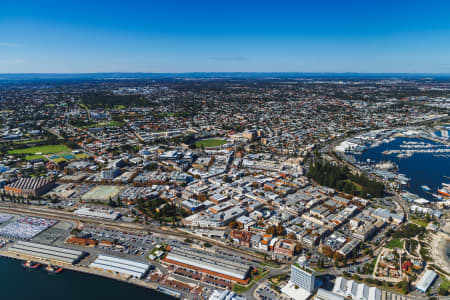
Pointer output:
x,y
33,157
47,149
82,155
210,143
105,124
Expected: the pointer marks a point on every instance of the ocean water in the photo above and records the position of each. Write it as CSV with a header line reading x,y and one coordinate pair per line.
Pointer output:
x,y
422,168
19,283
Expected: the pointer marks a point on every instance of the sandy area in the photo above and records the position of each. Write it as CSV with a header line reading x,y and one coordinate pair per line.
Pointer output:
x,y
438,248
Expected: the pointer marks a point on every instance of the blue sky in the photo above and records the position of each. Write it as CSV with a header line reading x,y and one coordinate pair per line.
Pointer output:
x,y
224,36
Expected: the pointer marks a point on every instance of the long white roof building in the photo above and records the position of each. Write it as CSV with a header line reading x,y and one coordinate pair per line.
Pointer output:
x,y
426,280
121,266
208,262
46,252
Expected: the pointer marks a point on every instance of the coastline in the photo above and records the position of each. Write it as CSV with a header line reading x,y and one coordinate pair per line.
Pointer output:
x,y
85,270
439,247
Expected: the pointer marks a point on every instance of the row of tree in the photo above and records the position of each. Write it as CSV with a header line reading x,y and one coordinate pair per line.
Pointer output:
x,y
340,178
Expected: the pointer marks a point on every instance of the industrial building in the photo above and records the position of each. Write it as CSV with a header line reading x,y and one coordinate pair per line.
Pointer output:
x,y
120,266
97,213
207,263
52,254
29,187
426,280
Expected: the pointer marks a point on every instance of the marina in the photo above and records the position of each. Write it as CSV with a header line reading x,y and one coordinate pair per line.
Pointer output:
x,y
417,160
426,171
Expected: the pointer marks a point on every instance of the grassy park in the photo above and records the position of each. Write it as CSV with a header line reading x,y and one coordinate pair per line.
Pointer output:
x,y
419,221
395,243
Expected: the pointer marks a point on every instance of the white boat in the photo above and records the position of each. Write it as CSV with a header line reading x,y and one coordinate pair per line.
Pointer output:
x,y
425,188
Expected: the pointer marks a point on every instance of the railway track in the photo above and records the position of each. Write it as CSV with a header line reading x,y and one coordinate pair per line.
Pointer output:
x,y
132,228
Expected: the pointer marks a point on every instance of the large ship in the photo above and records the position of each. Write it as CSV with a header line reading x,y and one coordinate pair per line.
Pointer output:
x,y
31,265
445,190
54,269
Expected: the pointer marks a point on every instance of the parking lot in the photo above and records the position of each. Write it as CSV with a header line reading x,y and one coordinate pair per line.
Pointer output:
x,y
138,245
53,233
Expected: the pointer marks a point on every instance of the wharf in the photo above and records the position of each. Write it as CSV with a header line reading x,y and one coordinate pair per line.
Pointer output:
x,y
426,137
83,269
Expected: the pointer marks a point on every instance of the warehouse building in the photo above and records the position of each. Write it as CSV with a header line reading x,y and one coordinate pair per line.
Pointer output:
x,y
54,255
97,213
206,263
426,280
121,266
29,187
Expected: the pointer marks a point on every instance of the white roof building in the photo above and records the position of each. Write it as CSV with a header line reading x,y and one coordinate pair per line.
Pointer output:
x,y
120,266
225,295
327,295
426,280
354,290
97,213
47,252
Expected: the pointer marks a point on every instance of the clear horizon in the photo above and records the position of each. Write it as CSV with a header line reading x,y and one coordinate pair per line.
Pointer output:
x,y
74,37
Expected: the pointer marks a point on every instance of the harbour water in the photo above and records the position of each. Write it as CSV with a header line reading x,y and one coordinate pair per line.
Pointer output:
x,y
421,168
445,131
19,283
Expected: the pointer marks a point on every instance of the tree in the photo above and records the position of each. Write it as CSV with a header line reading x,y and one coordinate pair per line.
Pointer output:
x,y
404,286
338,257
327,251
233,225
271,230
442,291
111,203
227,179
280,230
292,236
